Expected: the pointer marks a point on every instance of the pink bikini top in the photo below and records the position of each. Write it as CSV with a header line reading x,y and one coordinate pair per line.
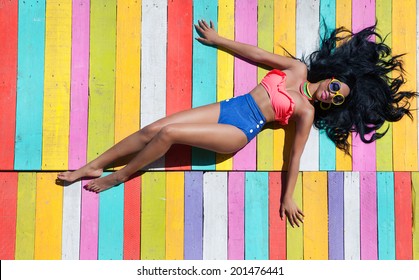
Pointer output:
x,y
282,102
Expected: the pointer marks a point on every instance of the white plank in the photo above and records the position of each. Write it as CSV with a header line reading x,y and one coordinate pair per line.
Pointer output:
x,y
71,222
215,216
352,220
308,41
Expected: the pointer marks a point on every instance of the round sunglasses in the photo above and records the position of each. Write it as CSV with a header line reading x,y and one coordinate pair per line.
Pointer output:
x,y
334,87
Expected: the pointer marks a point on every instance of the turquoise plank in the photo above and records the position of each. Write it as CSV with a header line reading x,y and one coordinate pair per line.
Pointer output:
x,y
111,223
30,85
256,216
204,80
385,206
327,147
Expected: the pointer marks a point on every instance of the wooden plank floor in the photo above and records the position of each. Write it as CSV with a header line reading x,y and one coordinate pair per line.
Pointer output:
x,y
77,76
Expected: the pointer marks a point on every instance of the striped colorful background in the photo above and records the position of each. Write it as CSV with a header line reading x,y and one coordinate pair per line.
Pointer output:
x,y
78,76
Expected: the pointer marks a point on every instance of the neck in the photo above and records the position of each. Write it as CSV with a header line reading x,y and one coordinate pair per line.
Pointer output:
x,y
305,90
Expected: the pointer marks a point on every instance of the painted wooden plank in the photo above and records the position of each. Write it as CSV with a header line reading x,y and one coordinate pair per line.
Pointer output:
x,y
277,226
48,220
327,149
245,74
256,229
71,222
179,73
132,219
56,85
265,144
225,69
336,215
153,219
315,211
368,211
89,224
363,155
295,235
111,223
344,18
284,36
30,85
307,42
215,213
403,42
80,45
193,216
175,213
384,147
236,215
8,208
204,78
127,87
415,212
403,215
101,77
25,220
385,216
351,194
8,78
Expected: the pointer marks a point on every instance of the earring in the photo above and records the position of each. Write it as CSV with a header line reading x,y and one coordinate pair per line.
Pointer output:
x,y
323,107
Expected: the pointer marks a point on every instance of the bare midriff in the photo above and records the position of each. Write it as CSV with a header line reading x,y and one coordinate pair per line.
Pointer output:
x,y
261,97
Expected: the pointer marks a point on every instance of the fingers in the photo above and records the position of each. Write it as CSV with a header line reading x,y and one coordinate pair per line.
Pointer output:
x,y
296,218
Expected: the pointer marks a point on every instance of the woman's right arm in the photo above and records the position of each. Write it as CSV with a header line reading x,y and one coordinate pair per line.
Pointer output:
x,y
209,36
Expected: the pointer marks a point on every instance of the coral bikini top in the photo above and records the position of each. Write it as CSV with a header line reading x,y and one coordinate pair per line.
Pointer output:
x,y
282,102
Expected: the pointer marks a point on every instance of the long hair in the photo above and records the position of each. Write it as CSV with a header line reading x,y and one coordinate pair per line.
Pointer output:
x,y
364,65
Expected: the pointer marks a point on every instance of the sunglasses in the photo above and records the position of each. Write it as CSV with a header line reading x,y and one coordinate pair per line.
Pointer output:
x,y
334,87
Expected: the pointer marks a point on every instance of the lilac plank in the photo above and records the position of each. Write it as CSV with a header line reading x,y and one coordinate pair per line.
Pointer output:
x,y
336,210
89,224
193,216
236,182
368,201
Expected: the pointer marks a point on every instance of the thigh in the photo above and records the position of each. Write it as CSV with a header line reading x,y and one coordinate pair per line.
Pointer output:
x,y
220,138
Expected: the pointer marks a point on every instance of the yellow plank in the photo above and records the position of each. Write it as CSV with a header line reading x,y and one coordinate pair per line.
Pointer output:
x,y
415,204
405,132
127,98
175,182
25,222
57,85
225,68
49,208
384,147
343,18
265,144
284,36
315,210
295,236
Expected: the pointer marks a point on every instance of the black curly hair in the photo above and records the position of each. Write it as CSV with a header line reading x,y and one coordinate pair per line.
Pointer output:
x,y
364,65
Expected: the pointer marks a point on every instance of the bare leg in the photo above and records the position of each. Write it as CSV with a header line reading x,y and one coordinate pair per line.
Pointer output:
x,y
215,137
138,140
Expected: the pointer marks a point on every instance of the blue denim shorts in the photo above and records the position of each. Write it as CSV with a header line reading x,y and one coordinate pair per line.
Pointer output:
x,y
243,113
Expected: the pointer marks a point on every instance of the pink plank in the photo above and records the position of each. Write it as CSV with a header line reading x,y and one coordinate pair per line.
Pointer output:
x,y
236,216
368,201
79,83
245,74
89,224
363,15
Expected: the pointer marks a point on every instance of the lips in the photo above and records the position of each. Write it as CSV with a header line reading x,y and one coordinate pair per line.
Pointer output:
x,y
324,95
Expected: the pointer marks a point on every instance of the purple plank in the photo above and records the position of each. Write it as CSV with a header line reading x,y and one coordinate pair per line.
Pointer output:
x,y
335,201
193,216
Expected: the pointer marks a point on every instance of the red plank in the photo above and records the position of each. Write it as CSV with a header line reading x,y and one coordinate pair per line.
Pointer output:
x,y
8,206
277,227
132,219
8,70
179,73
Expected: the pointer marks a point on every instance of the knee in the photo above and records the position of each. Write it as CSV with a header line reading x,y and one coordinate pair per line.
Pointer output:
x,y
150,131
167,134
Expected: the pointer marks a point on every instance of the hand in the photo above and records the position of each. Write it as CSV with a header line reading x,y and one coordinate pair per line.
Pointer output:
x,y
207,33
290,209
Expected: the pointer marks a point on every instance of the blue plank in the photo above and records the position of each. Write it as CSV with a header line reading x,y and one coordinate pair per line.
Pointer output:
x,y
256,229
327,147
385,216
30,85
336,213
111,223
204,80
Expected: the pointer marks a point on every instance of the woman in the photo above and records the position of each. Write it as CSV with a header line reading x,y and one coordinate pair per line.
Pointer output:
x,y
343,89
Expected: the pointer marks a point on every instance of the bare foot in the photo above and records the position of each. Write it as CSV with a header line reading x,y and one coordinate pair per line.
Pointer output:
x,y
103,183
85,171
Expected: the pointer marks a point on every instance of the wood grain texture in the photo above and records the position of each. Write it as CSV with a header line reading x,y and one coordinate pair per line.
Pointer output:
x,y
385,216
352,215
295,235
8,209
71,221
236,183
132,219
368,211
277,226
